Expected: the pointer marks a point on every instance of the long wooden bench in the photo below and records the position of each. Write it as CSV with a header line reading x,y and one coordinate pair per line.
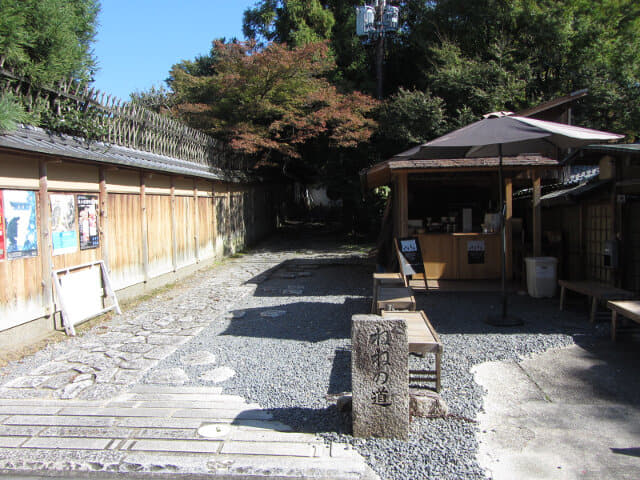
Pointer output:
x,y
384,280
597,292
395,298
627,308
423,339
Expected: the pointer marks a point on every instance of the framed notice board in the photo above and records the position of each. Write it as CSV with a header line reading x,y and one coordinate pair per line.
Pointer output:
x,y
409,255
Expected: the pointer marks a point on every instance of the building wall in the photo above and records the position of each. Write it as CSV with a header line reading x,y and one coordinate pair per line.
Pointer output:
x,y
151,226
631,248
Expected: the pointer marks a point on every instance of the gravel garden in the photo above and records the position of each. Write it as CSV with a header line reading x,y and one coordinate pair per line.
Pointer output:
x,y
287,347
277,332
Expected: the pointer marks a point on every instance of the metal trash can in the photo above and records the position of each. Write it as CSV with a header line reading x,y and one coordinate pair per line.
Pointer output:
x,y
541,276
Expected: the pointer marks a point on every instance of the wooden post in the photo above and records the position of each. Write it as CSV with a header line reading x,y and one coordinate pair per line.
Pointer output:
x,y
174,232
196,223
537,223
401,202
214,215
508,190
45,240
616,271
145,238
583,253
104,219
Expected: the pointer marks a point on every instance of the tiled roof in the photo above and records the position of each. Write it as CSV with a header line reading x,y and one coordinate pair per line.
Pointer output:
x,y
488,162
33,139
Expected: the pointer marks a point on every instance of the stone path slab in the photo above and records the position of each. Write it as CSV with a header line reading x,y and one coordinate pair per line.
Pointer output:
x,y
79,408
105,439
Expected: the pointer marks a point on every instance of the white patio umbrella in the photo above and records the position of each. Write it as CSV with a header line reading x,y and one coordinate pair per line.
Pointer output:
x,y
501,134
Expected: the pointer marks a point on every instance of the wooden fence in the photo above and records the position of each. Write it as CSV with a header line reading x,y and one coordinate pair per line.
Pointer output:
x,y
150,226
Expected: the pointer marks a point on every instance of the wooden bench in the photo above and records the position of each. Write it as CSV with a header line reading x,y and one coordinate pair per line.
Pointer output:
x,y
627,308
395,298
596,291
384,280
423,339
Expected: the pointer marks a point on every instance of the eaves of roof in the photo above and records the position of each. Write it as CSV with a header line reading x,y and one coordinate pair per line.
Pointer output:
x,y
36,140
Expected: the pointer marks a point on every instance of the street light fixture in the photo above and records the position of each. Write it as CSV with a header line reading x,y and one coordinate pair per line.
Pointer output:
x,y
373,24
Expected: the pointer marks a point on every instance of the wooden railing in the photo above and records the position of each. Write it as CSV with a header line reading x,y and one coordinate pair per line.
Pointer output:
x,y
123,123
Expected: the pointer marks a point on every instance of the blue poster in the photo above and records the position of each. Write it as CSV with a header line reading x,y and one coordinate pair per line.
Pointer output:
x,y
64,236
21,230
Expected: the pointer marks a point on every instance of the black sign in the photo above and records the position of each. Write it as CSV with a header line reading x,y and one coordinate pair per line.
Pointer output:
x,y
475,252
410,251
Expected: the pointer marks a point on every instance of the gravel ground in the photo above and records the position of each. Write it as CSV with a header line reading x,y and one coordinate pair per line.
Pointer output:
x,y
289,347
290,350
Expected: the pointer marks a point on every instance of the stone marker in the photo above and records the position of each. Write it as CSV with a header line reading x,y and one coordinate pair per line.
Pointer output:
x,y
427,404
380,377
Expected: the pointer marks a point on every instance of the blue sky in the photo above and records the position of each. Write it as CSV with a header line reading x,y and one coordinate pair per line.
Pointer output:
x,y
139,40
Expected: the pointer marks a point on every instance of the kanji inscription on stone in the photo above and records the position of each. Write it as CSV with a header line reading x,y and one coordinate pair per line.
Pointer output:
x,y
380,377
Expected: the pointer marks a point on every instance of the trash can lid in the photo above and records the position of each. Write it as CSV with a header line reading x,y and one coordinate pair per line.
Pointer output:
x,y
541,259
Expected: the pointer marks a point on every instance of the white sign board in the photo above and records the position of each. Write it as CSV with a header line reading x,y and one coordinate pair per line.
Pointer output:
x,y
81,292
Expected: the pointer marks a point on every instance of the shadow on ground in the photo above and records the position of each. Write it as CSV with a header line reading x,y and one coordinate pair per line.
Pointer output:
x,y
301,321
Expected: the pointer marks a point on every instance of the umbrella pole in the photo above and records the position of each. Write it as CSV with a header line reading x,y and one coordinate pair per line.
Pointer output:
x,y
503,235
503,319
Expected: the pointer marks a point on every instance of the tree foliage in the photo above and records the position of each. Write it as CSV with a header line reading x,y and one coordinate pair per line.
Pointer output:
x,y
273,100
294,22
45,41
409,117
49,40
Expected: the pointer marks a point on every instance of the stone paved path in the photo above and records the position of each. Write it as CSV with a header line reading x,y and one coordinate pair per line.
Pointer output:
x,y
79,406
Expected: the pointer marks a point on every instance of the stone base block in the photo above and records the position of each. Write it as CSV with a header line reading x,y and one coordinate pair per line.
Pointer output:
x,y
427,404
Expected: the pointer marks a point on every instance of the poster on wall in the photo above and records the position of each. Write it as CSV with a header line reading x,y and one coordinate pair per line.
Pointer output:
x,y
1,229
475,252
63,224
88,221
20,220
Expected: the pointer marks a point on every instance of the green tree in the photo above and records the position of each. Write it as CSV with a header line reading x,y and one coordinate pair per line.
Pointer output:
x,y
46,41
294,22
408,118
11,112
49,40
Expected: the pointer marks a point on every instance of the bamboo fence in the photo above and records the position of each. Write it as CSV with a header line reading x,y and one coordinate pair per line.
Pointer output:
x,y
124,123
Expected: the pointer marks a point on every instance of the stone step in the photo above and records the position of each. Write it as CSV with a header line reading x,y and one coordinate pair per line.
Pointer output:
x,y
117,464
166,389
180,397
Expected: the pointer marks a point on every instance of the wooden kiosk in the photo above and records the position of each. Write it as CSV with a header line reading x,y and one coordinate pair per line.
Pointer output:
x,y
446,204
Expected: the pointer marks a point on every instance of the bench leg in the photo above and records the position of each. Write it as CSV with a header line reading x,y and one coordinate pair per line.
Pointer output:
x,y
594,309
438,363
614,324
562,294
374,300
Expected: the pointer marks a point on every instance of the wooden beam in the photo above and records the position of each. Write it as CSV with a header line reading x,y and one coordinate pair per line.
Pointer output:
x,y
45,240
174,232
401,203
145,229
508,196
104,218
537,221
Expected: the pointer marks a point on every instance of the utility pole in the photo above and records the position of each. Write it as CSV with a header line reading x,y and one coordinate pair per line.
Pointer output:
x,y
373,24
380,53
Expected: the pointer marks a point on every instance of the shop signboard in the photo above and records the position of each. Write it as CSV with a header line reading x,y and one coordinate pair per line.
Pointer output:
x,y
64,236
88,221
410,249
21,230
